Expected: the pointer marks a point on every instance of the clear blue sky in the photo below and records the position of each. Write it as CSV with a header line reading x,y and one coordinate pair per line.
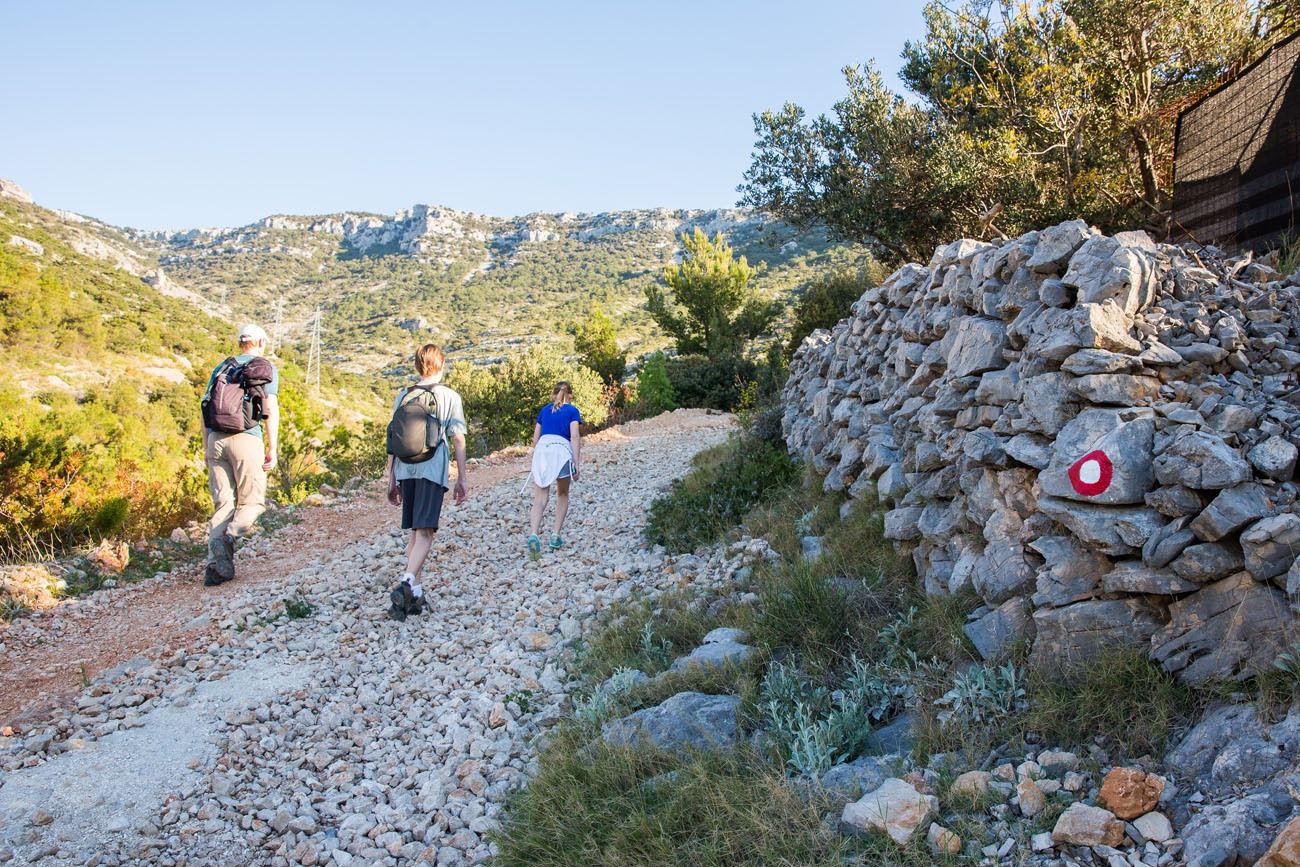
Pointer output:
x,y
171,115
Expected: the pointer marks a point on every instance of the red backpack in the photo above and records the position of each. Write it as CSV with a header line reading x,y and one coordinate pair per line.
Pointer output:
x,y
236,401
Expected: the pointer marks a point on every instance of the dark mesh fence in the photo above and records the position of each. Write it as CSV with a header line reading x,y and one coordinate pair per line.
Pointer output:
x,y
1237,157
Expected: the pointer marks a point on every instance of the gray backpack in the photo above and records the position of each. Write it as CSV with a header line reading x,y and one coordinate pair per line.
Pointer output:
x,y
415,431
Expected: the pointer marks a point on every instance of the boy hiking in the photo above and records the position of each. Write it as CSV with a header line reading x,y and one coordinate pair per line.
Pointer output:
x,y
557,452
425,416
240,397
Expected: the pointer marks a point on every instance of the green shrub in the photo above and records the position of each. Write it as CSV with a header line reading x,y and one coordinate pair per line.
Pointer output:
x,y
725,483
710,383
815,727
598,805
825,301
654,391
595,339
501,401
643,634
804,611
1124,697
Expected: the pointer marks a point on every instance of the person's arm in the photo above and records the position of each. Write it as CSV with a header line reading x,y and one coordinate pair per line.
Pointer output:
x,y
462,478
575,437
391,490
272,431
537,434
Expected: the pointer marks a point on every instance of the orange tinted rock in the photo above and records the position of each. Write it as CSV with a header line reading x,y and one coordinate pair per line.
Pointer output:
x,y
110,557
1130,792
1285,851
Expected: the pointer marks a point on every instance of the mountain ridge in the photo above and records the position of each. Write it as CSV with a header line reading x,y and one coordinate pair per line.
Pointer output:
x,y
483,285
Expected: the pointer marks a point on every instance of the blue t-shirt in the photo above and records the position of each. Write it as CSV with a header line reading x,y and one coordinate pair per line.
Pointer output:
x,y
272,388
556,420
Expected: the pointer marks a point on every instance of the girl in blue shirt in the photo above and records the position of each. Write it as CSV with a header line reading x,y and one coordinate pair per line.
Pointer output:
x,y
557,451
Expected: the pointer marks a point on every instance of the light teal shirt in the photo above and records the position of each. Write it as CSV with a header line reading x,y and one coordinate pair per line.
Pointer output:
x,y
448,408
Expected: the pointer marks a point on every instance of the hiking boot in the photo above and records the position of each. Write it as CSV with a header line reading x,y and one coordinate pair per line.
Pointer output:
x,y
404,602
221,561
557,541
212,577
534,547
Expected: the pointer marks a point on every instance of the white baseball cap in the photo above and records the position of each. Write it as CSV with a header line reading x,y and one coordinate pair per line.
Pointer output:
x,y
252,333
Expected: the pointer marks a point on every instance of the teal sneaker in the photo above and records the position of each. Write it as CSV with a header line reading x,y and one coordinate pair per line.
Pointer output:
x,y
534,547
557,542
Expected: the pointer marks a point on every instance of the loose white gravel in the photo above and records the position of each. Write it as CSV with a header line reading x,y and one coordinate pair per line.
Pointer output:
x,y
344,737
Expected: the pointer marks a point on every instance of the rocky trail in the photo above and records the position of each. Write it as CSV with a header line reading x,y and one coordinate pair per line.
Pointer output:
x,y
166,724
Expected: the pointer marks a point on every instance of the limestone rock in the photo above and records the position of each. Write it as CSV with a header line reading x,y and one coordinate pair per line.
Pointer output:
x,y
895,809
688,720
1132,576
1032,799
1082,825
27,245
1208,561
1270,546
1229,629
1201,460
972,784
110,557
1092,361
995,632
1079,633
1073,571
1155,827
1109,269
849,781
941,841
1274,458
1113,530
1167,543
1055,246
717,654
977,346
1231,510
1125,446
725,634
1117,389
1236,832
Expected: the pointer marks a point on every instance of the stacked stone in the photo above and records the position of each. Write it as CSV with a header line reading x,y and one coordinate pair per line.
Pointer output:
x,y
1097,434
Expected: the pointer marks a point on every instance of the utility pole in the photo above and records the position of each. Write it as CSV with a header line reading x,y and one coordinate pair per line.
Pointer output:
x,y
277,328
313,356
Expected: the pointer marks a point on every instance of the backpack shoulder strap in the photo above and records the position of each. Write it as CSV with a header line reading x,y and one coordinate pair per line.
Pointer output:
x,y
217,371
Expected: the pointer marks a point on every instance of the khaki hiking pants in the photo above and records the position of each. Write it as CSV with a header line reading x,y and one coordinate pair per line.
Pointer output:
x,y
237,482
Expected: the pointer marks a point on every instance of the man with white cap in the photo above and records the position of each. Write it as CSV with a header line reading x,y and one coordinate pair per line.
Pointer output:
x,y
241,399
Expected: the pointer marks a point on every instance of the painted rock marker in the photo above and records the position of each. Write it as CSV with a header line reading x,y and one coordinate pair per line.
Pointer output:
x,y
1090,475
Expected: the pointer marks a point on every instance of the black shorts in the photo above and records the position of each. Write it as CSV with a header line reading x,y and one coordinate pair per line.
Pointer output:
x,y
421,504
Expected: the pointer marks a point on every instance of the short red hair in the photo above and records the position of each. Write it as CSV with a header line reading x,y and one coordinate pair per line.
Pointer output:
x,y
429,360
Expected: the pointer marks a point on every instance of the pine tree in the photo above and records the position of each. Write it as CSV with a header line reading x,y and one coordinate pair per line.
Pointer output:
x,y
710,308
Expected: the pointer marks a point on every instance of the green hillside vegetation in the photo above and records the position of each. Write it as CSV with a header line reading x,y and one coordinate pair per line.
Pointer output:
x,y
99,426
529,295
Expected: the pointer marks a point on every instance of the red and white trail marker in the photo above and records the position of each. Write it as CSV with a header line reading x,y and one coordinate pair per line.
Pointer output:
x,y
1090,475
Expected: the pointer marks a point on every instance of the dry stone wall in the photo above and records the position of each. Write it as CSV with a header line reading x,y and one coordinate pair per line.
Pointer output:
x,y
1097,434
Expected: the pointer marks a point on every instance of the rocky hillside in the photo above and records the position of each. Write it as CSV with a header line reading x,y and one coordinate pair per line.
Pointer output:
x,y
1097,435
479,284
